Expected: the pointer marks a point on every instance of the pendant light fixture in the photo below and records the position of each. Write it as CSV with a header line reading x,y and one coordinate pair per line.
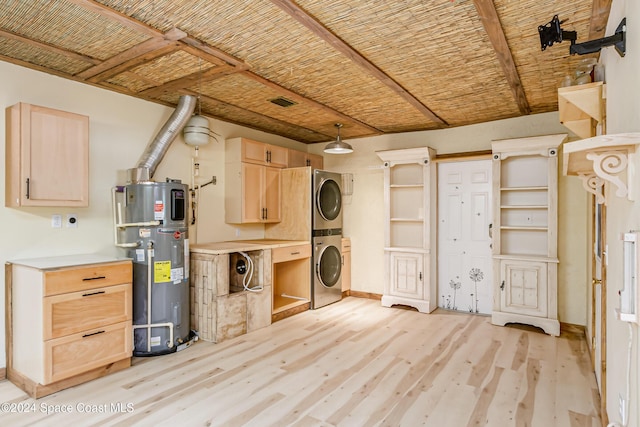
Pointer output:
x,y
338,146
196,132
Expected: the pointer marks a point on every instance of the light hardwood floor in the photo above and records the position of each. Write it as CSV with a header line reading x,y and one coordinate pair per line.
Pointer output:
x,y
353,363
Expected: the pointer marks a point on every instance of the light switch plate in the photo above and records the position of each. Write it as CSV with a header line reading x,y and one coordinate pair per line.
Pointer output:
x,y
56,221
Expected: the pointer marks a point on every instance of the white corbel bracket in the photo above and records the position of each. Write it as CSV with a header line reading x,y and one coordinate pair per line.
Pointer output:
x,y
593,185
608,165
604,158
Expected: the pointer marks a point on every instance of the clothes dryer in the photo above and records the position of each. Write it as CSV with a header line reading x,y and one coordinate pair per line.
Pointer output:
x,y
326,286
327,200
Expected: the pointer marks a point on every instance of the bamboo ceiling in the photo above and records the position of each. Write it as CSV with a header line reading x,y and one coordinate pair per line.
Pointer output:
x,y
375,66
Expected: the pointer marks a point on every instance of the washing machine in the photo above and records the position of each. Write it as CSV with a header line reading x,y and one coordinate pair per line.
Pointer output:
x,y
326,286
327,200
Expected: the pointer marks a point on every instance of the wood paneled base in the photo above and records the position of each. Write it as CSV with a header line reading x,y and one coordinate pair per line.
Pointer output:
x,y
37,390
550,326
422,305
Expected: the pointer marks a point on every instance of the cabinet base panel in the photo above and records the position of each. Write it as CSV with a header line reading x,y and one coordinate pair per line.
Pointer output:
x,y
549,326
421,305
37,390
290,312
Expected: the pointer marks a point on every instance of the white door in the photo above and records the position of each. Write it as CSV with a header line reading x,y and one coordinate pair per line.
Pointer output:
x,y
464,245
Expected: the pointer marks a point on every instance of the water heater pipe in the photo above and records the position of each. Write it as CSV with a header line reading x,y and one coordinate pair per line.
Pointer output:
x,y
150,325
118,224
157,148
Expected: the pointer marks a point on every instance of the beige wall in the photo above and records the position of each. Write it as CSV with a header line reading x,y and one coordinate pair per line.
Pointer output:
x,y
623,115
120,129
364,210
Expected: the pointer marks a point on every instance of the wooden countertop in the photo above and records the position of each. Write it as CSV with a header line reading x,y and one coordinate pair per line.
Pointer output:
x,y
54,262
217,248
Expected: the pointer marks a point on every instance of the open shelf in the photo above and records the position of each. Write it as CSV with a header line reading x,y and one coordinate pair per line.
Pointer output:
x,y
523,227
523,188
524,207
282,303
291,277
582,107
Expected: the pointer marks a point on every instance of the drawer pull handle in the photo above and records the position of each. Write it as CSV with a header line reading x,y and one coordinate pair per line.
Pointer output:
x,y
93,293
295,253
94,278
94,333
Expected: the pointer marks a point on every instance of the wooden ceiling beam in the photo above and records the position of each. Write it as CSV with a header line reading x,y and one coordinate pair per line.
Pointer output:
x,y
111,66
300,15
114,15
190,80
49,48
174,34
209,50
303,100
160,48
489,18
599,18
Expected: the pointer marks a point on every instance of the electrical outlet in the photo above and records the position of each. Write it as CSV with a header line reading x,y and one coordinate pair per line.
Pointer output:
x,y
56,221
72,221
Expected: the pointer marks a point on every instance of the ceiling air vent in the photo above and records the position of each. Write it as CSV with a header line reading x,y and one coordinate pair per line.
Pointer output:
x,y
283,102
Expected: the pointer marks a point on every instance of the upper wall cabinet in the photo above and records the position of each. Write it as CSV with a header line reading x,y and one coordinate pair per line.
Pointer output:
x,y
298,159
47,157
252,186
258,153
582,108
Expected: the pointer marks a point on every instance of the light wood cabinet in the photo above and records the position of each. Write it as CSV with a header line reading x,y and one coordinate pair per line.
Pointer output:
x,y
47,157
252,193
291,277
259,153
252,189
346,264
582,108
410,228
69,321
299,159
525,231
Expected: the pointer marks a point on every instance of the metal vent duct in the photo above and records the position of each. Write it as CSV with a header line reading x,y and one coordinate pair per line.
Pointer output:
x,y
157,148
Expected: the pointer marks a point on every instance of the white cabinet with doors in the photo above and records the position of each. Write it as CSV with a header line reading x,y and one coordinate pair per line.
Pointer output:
x,y
409,196
525,231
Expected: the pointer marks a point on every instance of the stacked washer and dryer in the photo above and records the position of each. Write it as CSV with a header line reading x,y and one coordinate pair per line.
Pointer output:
x,y
326,283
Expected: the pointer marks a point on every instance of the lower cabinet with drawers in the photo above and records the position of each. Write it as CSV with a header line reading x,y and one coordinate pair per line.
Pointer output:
x,y
69,320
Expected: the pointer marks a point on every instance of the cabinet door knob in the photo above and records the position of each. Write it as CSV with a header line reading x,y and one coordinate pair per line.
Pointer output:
x,y
502,285
420,276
